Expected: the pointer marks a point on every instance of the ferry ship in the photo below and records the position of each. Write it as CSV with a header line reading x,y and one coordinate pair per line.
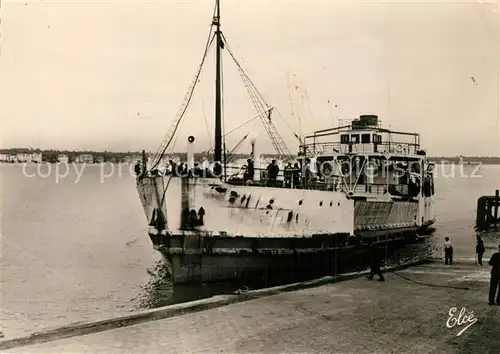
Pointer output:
x,y
355,183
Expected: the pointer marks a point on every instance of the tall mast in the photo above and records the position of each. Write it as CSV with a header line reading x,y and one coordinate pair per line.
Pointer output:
x,y
218,86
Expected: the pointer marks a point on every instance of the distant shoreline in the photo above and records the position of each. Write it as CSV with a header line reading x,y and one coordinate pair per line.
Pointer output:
x,y
133,162
118,157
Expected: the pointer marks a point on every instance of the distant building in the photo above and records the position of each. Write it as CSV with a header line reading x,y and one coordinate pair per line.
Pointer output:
x,y
36,157
133,158
85,158
23,158
62,158
5,157
100,159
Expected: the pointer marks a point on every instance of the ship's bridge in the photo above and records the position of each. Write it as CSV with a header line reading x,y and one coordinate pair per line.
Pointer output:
x,y
361,136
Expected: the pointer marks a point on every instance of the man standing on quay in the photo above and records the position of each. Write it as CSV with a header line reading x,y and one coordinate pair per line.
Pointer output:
x,y
375,263
495,278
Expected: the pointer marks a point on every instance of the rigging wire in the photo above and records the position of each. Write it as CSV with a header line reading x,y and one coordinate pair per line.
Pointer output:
x,y
245,123
304,98
308,104
233,151
170,135
291,89
259,102
299,137
261,106
288,124
243,72
172,146
290,86
206,124
170,150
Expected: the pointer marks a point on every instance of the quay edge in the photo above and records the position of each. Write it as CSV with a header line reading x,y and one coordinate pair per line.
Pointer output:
x,y
81,329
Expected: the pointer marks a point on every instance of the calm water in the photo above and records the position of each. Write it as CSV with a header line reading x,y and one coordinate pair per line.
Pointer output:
x,y
79,251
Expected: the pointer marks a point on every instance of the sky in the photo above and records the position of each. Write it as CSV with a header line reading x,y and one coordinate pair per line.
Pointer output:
x,y
111,75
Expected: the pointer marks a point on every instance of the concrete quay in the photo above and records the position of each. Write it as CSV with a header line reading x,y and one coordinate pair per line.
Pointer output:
x,y
407,313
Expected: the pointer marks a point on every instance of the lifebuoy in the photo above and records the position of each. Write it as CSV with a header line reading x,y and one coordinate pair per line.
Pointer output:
x,y
398,148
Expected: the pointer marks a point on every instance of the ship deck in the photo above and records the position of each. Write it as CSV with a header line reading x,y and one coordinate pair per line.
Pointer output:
x,y
354,316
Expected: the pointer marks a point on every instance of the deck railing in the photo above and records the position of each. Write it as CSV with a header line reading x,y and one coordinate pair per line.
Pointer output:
x,y
237,176
327,148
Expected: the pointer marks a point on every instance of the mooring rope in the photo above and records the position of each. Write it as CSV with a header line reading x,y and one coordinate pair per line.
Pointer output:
x,y
427,284
241,291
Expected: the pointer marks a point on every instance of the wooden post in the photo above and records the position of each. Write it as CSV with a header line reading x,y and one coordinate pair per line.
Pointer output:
x,y
481,214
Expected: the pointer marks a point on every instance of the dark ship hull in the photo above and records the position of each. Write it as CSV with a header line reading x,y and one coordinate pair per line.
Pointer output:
x,y
220,259
325,233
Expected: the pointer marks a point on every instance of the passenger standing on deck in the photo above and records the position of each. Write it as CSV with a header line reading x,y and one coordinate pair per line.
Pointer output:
x,y
448,251
375,263
272,173
138,168
287,172
249,174
495,278
174,167
480,249
296,175
205,165
306,174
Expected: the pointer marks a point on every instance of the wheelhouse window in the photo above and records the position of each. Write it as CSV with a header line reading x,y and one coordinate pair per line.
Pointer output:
x,y
344,139
365,138
377,139
355,138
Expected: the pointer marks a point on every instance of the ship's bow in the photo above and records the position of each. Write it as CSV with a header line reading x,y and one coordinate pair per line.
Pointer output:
x,y
151,192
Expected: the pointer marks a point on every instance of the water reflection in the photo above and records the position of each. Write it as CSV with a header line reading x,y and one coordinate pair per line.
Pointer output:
x,y
491,240
157,291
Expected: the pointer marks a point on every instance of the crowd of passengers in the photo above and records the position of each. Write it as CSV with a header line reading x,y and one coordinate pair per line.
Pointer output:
x,y
293,174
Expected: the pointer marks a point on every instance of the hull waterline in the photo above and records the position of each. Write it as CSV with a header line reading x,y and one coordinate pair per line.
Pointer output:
x,y
257,237
220,260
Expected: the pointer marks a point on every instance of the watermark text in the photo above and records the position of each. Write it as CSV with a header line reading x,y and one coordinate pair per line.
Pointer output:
x,y
462,319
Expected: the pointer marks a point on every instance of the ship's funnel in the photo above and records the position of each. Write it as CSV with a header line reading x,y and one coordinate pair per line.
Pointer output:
x,y
190,152
365,121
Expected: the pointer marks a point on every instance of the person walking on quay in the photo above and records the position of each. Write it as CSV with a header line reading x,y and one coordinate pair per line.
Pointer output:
x,y
480,249
375,263
495,278
448,251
